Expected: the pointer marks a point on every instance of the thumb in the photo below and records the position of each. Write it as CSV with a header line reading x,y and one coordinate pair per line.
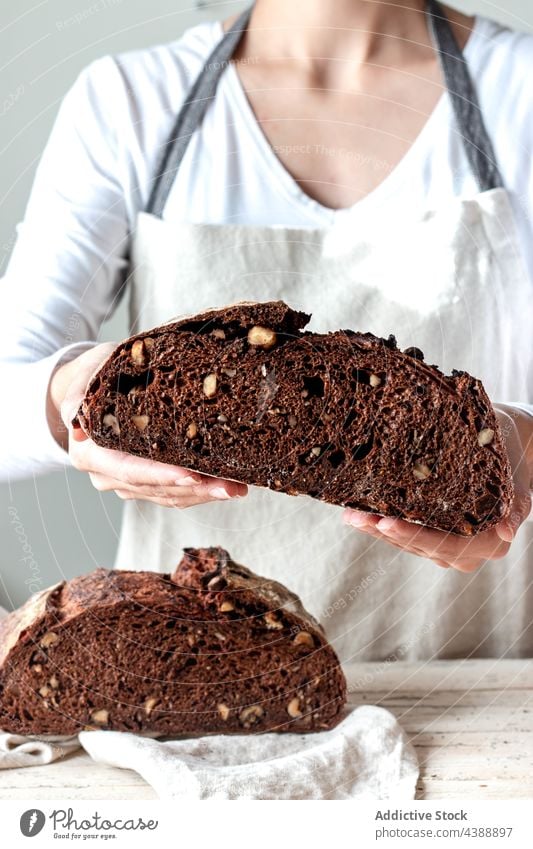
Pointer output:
x,y
81,372
520,510
521,505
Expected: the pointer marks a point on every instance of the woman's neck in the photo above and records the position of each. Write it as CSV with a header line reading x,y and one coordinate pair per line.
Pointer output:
x,y
310,33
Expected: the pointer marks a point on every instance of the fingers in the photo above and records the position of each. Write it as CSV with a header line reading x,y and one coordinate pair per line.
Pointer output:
x,y
359,519
130,470
77,434
184,493
458,551
188,500
444,549
104,483
515,450
369,523
134,471
145,475
520,510
441,563
521,506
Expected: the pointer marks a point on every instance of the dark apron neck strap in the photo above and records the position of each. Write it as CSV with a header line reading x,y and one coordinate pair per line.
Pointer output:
x,y
476,141
192,112
464,100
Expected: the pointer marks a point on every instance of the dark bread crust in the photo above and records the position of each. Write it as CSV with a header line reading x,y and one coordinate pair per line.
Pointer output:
x,y
344,417
212,648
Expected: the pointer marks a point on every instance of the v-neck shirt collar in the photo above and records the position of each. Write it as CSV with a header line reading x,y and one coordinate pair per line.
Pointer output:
x,y
289,187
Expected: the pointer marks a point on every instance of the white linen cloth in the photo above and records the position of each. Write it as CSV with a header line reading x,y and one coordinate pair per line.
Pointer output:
x,y
17,750
366,756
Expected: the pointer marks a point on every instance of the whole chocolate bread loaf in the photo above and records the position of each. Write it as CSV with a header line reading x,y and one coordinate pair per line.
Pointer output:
x,y
244,393
212,648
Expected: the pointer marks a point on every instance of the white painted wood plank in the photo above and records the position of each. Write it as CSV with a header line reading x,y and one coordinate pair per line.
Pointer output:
x,y
423,676
74,777
450,788
516,700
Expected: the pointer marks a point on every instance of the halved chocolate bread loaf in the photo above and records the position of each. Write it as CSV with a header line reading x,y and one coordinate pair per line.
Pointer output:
x,y
212,648
245,393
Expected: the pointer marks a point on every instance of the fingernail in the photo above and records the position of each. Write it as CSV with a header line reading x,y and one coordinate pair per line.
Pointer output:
x,y
219,492
505,532
385,525
357,519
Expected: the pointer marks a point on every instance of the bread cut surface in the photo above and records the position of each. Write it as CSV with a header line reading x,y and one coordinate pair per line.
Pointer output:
x,y
246,393
212,648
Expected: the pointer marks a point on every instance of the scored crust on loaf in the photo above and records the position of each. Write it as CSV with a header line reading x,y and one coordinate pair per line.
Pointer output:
x,y
245,393
212,648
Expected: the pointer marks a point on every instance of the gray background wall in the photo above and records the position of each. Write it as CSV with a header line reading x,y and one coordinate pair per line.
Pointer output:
x,y
58,525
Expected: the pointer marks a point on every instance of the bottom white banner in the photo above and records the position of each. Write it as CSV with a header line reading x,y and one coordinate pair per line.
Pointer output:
x,y
218,823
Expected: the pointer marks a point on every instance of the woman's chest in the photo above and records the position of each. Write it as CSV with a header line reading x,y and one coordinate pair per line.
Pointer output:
x,y
232,173
338,144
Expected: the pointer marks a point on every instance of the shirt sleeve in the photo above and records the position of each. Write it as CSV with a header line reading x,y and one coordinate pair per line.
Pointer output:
x,y
67,269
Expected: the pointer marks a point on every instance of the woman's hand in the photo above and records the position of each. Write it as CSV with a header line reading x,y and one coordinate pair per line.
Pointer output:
x,y
128,476
464,553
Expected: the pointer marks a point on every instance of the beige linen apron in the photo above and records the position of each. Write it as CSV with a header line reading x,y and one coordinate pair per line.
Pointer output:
x,y
451,282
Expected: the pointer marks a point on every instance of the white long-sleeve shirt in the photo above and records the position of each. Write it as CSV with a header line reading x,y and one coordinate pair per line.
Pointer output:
x,y
67,268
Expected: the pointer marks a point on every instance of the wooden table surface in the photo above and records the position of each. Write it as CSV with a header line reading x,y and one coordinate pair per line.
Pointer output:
x,y
470,721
